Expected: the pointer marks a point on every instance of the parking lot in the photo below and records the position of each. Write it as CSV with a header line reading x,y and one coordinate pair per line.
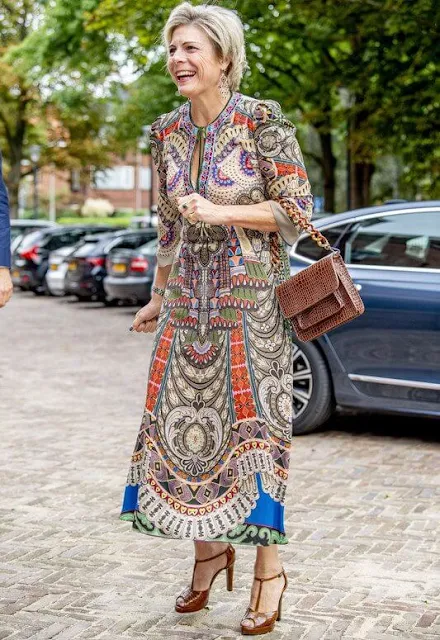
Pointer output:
x,y
362,512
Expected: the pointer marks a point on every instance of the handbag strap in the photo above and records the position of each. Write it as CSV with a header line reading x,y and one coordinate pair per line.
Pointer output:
x,y
304,224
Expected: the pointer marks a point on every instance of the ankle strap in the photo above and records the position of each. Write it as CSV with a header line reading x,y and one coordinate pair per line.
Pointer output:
x,y
272,578
214,557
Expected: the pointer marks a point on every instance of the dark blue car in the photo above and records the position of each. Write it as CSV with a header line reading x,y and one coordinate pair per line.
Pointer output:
x,y
388,359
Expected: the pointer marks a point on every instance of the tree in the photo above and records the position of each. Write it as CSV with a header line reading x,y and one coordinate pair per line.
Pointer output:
x,y
307,54
60,111
19,99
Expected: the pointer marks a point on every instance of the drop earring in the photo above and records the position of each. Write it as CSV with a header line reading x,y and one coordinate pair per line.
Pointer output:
x,y
223,86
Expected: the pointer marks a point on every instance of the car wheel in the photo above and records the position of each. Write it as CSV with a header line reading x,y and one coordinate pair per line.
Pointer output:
x,y
110,302
312,389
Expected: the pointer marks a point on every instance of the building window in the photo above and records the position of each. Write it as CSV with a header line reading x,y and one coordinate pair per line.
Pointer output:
x,y
117,178
145,178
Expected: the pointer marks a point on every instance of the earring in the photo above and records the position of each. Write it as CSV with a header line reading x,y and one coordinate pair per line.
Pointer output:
x,y
223,86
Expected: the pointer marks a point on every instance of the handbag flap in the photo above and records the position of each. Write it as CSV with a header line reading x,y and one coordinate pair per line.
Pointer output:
x,y
321,311
309,286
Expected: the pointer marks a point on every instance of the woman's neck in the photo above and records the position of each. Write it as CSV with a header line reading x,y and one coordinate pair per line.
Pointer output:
x,y
206,108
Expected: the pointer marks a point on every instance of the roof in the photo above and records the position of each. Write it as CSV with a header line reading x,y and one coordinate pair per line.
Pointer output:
x,y
383,208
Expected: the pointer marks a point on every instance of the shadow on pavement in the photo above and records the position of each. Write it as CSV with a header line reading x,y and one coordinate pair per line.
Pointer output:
x,y
378,424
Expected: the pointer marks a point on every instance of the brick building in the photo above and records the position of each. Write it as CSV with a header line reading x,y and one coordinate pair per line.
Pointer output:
x,y
127,185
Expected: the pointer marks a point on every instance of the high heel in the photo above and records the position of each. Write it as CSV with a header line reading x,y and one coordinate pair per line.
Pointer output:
x,y
262,622
190,600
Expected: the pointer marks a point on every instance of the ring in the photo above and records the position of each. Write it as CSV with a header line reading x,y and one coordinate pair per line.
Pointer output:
x,y
192,218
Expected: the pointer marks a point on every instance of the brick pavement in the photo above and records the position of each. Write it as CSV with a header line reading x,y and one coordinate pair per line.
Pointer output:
x,y
362,512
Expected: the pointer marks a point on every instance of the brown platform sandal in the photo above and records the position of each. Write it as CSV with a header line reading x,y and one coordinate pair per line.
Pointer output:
x,y
190,600
262,622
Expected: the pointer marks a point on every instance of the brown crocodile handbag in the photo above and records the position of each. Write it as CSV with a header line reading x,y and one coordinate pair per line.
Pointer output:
x,y
322,296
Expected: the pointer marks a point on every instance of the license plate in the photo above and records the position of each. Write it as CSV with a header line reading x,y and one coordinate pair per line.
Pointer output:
x,y
119,268
15,274
54,267
72,266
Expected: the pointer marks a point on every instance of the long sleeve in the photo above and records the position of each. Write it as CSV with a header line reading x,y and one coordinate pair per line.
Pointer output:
x,y
169,218
282,167
5,232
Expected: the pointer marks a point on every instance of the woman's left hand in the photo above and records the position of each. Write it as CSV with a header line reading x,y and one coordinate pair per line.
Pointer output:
x,y
195,208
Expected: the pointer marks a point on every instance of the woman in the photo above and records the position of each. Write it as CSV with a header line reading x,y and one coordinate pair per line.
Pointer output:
x,y
211,460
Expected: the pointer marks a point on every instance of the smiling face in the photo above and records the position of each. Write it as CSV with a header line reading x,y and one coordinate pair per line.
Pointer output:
x,y
193,61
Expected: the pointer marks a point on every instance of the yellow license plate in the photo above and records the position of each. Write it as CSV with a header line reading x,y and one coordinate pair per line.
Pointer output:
x,y
72,266
54,267
119,268
15,274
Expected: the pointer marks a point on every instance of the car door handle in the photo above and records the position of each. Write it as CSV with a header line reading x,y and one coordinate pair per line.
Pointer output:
x,y
358,287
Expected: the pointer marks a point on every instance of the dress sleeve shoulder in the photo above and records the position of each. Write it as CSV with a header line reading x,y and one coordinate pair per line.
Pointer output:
x,y
282,166
169,220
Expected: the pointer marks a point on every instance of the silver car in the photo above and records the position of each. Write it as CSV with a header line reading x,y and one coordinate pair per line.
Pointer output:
x,y
57,269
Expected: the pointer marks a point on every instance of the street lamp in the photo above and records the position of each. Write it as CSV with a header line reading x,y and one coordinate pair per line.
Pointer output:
x,y
34,152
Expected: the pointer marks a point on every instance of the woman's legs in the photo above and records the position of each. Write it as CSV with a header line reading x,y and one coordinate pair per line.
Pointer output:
x,y
205,570
267,564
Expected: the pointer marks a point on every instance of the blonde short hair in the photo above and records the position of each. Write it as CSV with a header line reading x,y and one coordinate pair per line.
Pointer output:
x,y
223,27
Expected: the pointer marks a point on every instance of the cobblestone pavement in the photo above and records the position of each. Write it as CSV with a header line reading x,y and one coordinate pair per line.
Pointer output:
x,y
362,514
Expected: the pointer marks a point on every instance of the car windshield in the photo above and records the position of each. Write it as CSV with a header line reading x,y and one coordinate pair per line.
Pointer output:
x,y
15,232
31,238
87,249
15,242
126,241
65,251
149,249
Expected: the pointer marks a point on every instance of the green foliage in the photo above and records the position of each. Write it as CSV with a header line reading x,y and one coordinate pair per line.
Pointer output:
x,y
364,65
118,221
146,98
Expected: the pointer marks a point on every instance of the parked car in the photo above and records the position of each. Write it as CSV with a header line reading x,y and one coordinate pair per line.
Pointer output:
x,y
388,359
146,221
57,269
87,266
20,227
58,264
30,259
130,273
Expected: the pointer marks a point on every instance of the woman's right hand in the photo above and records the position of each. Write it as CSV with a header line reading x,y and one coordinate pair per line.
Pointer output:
x,y
145,320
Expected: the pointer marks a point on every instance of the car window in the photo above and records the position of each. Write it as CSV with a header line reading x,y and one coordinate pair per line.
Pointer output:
x,y
63,239
85,249
127,243
140,241
308,248
401,240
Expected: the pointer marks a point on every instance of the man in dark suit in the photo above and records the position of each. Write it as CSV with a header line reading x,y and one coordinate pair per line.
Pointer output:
x,y
5,243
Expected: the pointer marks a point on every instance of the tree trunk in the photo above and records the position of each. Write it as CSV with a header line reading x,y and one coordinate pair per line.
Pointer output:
x,y
328,169
14,177
361,174
15,140
361,166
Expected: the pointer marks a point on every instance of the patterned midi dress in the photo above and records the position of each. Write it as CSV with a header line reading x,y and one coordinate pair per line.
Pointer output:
x,y
211,460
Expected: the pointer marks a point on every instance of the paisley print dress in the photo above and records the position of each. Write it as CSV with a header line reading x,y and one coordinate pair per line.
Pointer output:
x,y
211,460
